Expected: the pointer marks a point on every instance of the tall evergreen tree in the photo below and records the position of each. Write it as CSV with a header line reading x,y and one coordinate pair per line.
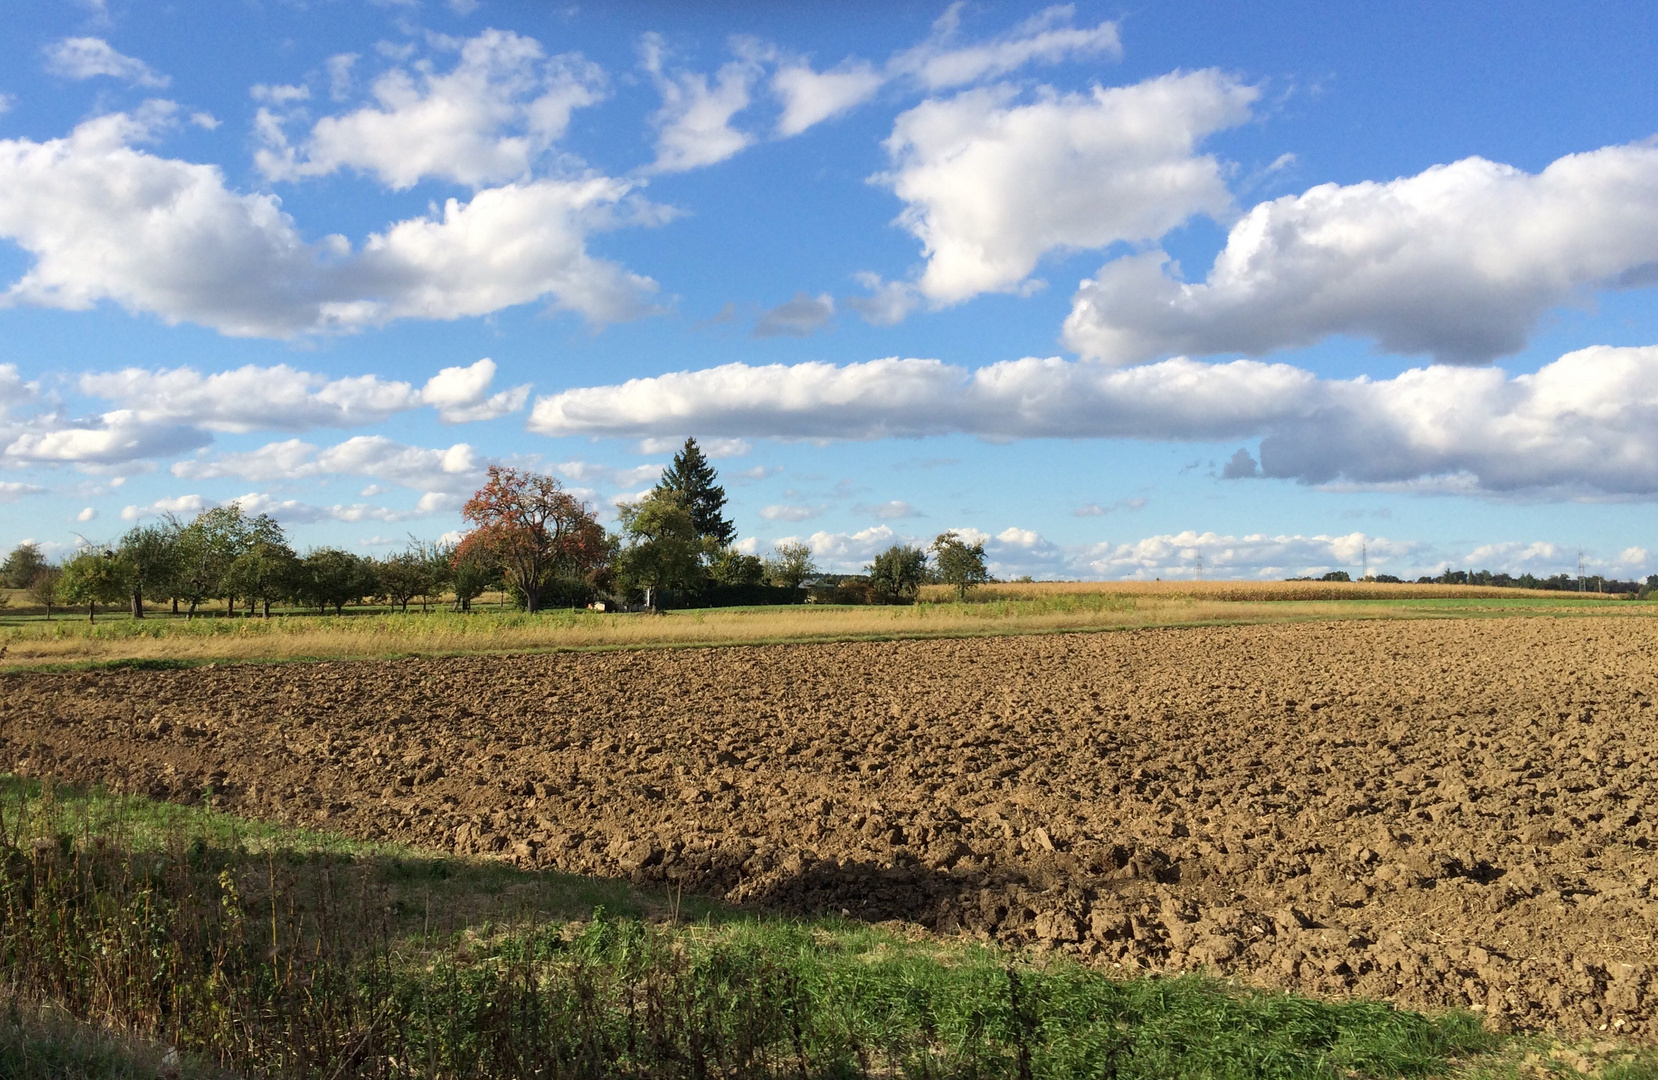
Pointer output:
x,y
691,477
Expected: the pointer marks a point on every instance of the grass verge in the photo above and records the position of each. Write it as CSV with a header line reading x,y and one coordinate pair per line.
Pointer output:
x,y
264,950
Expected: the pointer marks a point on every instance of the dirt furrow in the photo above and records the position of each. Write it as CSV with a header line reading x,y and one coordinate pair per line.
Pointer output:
x,y
1437,812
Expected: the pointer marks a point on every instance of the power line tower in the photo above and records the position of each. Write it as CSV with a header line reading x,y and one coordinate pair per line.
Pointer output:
x,y
1364,550
1200,566
1579,569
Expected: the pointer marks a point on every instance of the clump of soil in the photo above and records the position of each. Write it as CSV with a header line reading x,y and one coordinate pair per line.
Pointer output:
x,y
1442,813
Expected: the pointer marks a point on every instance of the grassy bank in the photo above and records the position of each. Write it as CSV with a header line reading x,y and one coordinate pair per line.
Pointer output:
x,y
275,952
1009,609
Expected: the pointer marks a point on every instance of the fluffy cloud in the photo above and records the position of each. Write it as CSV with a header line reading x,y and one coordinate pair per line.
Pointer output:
x,y
251,398
811,97
1189,554
801,317
1458,262
13,390
694,124
183,505
12,490
295,512
117,438
455,470
891,510
588,472
461,394
1047,37
1030,398
890,302
89,57
488,120
1582,425
991,185
106,221
782,512
715,448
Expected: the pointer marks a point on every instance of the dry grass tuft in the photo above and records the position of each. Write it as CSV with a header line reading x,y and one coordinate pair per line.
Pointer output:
x,y
999,609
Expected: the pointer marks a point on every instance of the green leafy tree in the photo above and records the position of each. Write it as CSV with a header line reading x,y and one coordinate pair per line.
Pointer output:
x,y
20,567
663,550
789,565
331,577
436,570
207,547
897,573
266,569
731,567
43,587
958,563
692,478
93,576
151,554
471,573
402,577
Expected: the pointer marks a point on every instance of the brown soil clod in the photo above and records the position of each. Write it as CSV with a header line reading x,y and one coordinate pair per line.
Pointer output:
x,y
1442,813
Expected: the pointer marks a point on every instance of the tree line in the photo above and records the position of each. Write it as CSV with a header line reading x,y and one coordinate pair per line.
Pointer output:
x,y
527,537
1594,583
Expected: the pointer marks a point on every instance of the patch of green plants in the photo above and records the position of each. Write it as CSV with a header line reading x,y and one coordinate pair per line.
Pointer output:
x,y
268,951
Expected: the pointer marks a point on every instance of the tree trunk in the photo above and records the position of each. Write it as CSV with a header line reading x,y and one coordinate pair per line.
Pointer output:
x,y
137,604
175,605
267,607
92,612
192,612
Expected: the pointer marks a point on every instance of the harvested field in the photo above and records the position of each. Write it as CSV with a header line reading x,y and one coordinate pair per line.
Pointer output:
x,y
1436,812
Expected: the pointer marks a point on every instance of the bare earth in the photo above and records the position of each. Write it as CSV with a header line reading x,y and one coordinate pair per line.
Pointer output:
x,y
1435,812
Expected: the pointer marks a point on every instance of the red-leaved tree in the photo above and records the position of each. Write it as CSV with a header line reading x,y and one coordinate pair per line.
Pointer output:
x,y
530,527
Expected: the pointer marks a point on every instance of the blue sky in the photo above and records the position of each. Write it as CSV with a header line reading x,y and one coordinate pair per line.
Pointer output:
x,y
1123,289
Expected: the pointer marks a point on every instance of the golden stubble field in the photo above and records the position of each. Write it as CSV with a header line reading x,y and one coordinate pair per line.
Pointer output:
x,y
1444,812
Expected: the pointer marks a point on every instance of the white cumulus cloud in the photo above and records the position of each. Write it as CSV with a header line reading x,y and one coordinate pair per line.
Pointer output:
x,y
89,57
1458,262
694,123
1580,426
1258,555
105,221
992,184
453,470
489,119
461,394
810,97
1048,37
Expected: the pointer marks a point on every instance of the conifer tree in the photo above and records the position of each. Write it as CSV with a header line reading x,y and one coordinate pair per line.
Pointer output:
x,y
692,478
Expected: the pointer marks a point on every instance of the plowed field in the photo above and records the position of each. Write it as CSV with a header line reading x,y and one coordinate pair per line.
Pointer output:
x,y
1438,812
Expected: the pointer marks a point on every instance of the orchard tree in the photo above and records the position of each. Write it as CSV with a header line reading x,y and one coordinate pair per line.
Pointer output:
x,y
402,577
470,573
664,549
151,555
20,567
958,563
436,569
93,576
691,477
529,526
789,565
266,568
731,567
897,573
206,549
43,587
329,576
